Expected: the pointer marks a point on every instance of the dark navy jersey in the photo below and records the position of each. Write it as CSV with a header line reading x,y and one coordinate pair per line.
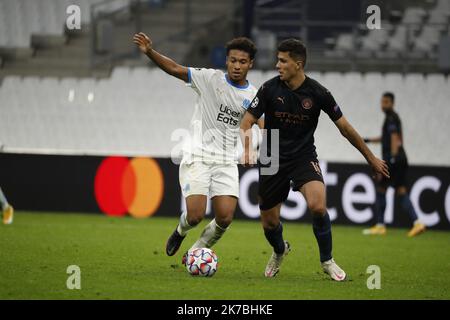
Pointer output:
x,y
392,124
295,113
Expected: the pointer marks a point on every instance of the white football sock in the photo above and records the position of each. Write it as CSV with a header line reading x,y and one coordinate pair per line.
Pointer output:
x,y
210,235
184,226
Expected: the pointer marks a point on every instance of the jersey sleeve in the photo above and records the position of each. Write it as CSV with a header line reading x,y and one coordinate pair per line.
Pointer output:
x,y
329,105
199,79
248,99
258,105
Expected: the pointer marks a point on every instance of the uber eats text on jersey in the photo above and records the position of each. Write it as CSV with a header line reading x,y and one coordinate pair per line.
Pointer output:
x,y
224,111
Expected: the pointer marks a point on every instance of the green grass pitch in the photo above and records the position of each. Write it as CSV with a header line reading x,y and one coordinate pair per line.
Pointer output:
x,y
124,258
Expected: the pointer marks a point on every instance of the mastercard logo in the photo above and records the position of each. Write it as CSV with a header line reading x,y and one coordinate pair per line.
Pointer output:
x,y
134,186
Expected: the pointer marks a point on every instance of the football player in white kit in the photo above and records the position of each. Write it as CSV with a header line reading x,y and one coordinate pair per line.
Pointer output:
x,y
209,164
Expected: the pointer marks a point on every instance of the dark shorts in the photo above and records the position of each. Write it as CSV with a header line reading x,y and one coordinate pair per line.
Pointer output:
x,y
274,189
398,174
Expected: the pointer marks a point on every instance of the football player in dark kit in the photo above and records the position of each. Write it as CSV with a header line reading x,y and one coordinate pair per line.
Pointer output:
x,y
291,104
394,154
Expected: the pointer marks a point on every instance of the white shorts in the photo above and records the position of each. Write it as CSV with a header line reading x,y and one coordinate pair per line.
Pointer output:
x,y
209,179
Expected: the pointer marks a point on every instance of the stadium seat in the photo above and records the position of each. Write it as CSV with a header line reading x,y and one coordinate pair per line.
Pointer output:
x,y
398,42
438,17
413,15
345,42
429,36
414,80
373,79
443,5
394,82
333,81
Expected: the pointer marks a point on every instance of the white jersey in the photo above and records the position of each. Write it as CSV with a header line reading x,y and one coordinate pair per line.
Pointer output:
x,y
220,106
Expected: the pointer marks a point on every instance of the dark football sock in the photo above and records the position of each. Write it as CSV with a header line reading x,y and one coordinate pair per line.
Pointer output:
x,y
322,231
275,238
406,204
380,207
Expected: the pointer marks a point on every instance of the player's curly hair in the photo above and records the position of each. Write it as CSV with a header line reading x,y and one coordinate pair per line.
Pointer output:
x,y
295,48
243,44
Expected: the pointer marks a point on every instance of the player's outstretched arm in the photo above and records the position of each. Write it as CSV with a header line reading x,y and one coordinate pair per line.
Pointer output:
x,y
355,139
372,140
163,62
248,158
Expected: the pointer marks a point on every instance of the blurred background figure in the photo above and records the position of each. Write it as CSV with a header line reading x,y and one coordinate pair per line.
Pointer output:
x,y
395,156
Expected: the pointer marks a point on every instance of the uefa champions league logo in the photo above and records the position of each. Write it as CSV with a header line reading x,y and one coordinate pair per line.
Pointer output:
x,y
255,102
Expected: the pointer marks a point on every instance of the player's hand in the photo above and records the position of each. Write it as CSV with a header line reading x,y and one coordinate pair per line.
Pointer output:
x,y
248,159
380,167
144,42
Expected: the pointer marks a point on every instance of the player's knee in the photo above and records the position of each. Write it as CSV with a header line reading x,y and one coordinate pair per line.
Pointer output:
x,y
317,208
224,222
194,220
270,223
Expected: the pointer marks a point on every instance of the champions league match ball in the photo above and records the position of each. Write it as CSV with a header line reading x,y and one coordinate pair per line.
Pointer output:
x,y
202,262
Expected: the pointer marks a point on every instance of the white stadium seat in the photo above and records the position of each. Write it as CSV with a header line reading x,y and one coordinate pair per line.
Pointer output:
x,y
413,15
443,5
398,41
345,42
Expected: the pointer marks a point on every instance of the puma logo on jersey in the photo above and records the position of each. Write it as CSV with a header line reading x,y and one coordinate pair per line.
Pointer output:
x,y
281,99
